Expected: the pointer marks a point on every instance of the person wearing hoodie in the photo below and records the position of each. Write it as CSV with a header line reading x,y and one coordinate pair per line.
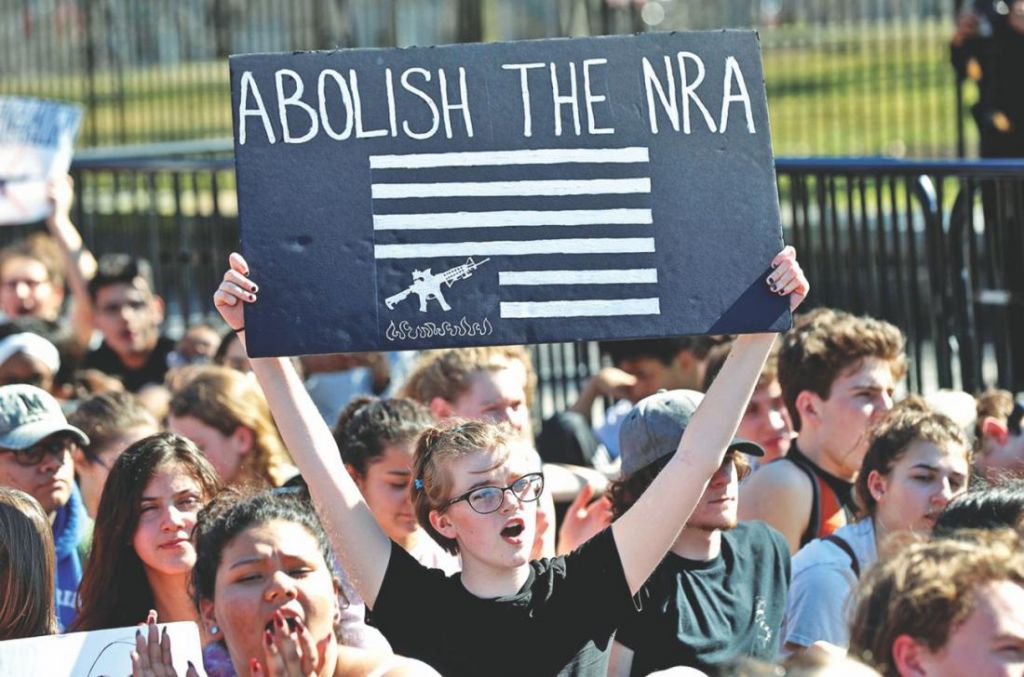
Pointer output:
x,y
36,445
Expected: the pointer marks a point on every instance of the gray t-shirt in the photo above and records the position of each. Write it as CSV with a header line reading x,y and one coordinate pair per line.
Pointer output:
x,y
820,587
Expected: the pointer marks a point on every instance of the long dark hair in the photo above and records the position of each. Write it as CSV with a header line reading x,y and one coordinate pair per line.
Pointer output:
x,y
115,591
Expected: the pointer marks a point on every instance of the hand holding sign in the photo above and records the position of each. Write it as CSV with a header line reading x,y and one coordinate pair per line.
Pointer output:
x,y
152,657
236,285
788,278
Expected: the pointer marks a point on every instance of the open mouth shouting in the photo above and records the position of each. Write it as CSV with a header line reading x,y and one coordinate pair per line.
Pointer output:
x,y
513,531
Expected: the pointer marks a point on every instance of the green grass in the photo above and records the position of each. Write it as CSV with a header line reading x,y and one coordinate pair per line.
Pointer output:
x,y
857,89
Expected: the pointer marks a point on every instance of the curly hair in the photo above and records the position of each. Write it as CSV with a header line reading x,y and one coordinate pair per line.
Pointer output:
x,y
368,425
909,421
926,590
824,343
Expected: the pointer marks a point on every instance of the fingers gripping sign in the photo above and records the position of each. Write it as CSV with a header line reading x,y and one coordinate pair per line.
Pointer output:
x,y
788,278
235,289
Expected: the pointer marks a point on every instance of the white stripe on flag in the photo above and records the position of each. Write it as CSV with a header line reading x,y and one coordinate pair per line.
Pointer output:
x,y
543,277
553,217
543,156
588,308
398,191
610,245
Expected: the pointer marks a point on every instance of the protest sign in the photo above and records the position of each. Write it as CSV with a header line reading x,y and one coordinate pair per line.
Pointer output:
x,y
550,190
37,139
96,653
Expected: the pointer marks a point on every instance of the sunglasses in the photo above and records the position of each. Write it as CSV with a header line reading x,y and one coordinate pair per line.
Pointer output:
x,y
34,455
485,500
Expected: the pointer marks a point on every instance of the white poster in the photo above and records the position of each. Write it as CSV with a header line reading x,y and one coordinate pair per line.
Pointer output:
x,y
37,138
101,653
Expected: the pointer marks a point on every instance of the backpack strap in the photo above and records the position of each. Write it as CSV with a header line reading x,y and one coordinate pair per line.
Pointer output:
x,y
843,545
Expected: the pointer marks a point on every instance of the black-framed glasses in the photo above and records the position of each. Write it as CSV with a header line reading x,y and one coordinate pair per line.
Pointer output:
x,y
56,447
484,500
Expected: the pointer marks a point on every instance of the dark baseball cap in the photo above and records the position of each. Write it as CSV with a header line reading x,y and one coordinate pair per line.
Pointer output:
x,y
29,414
653,427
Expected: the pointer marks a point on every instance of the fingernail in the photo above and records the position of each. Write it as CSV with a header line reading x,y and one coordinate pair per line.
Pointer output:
x,y
191,667
774,264
252,297
138,633
268,638
255,288
254,665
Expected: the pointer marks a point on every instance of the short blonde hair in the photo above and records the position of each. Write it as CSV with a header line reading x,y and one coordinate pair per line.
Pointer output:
x,y
436,448
446,373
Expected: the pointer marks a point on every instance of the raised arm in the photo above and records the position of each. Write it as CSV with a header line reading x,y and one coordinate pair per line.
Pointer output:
x,y
81,266
647,530
360,544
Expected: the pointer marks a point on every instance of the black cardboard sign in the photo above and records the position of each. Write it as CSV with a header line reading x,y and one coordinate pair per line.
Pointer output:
x,y
550,190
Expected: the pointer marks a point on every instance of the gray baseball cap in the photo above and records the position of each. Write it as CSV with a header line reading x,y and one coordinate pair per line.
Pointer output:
x,y
28,414
653,427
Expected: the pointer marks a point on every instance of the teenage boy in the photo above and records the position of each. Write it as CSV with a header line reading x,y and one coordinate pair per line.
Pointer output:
x,y
503,614
36,446
838,373
720,592
129,315
946,607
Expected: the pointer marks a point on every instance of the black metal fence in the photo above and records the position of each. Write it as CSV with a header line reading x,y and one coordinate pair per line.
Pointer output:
x,y
844,77
934,247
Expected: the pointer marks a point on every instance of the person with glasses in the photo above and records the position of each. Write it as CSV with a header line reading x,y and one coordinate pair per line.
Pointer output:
x,y
113,421
503,614
999,445
36,447
128,314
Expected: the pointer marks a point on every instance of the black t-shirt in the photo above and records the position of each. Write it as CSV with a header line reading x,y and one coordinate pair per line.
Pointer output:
x,y
705,614
556,624
153,371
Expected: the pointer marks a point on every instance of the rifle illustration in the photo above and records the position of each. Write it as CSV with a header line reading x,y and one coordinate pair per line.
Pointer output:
x,y
427,286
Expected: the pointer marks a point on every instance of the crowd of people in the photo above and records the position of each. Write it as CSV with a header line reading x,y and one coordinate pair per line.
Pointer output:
x,y
746,505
